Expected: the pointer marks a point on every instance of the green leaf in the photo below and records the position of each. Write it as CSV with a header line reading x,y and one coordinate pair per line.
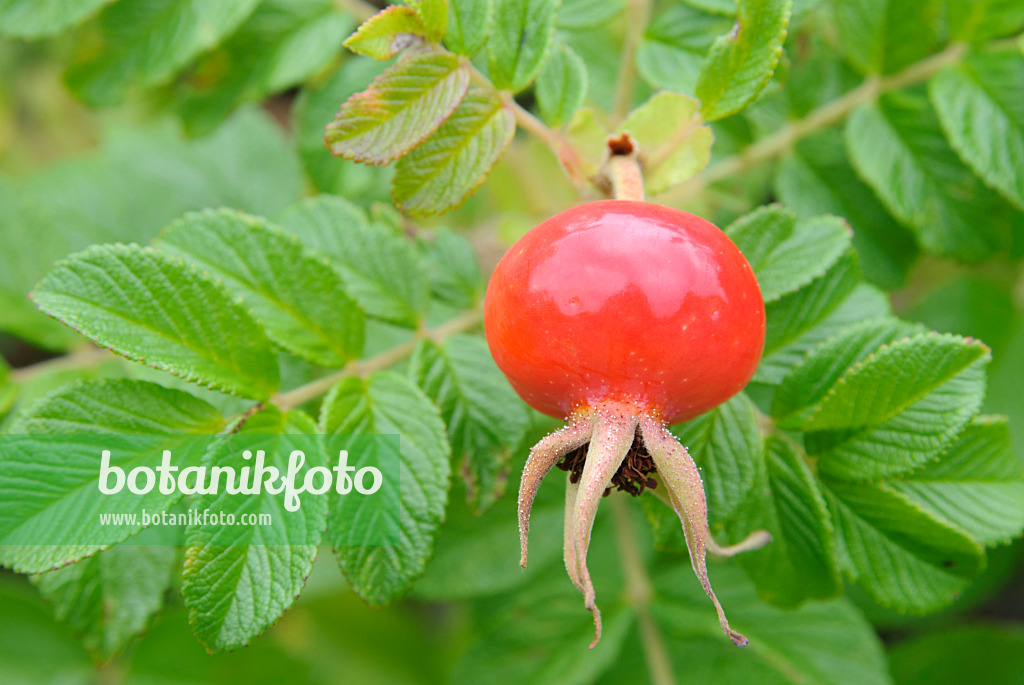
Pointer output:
x,y
799,321
741,63
155,309
36,651
446,169
380,270
522,33
239,579
452,268
387,403
400,109
538,635
977,485
899,554
821,642
810,380
883,36
800,561
980,103
921,181
281,44
978,20
899,407
317,104
960,654
31,19
483,415
434,14
36,497
298,298
581,14
816,178
787,254
674,46
468,24
31,240
110,598
387,33
672,142
561,85
146,42
726,445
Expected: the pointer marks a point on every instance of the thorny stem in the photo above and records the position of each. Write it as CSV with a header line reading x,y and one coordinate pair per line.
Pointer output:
x,y
362,367
833,112
640,592
561,148
637,13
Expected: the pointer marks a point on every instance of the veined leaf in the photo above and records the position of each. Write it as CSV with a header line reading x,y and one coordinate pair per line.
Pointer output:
x,y
561,85
380,269
787,254
977,485
812,378
281,44
978,20
446,169
581,14
675,45
468,24
980,103
741,63
239,579
483,416
434,14
522,32
31,19
799,321
899,407
827,643
400,109
299,299
883,36
452,268
921,181
726,445
317,104
816,178
800,561
147,41
36,498
387,403
672,141
155,309
388,32
110,597
896,552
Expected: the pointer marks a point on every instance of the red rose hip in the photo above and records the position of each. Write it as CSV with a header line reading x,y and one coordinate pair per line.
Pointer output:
x,y
624,316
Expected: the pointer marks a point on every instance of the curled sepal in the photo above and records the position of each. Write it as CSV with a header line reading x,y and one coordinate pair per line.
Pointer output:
x,y
543,456
614,431
686,493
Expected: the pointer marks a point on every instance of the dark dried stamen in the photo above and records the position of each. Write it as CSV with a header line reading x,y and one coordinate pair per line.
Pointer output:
x,y
633,475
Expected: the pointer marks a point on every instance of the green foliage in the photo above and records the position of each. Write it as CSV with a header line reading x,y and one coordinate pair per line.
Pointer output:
x,y
522,32
387,403
739,64
245,276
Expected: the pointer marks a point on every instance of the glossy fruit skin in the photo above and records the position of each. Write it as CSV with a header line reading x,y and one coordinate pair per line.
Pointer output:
x,y
625,301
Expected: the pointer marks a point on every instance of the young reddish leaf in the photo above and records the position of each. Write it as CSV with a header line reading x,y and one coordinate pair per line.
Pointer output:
x,y
400,109
387,33
442,172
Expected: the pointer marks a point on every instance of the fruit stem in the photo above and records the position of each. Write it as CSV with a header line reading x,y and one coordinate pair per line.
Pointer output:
x,y
625,176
